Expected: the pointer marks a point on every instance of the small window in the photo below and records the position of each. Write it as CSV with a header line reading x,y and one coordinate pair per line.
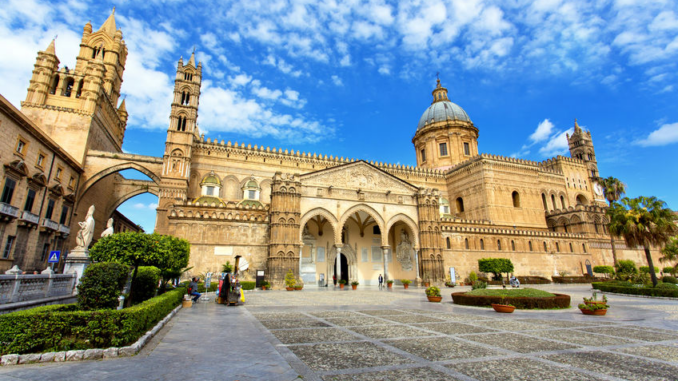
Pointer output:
x,y
557,247
209,191
571,248
460,205
64,215
467,149
449,246
21,146
71,182
57,175
553,201
466,243
583,246
45,251
446,209
529,244
8,191
516,199
498,244
543,200
545,247
423,155
50,209
562,202
513,246
376,230
30,199
443,149
251,194
8,247
41,160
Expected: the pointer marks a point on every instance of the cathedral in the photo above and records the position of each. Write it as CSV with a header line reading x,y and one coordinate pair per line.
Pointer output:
x,y
319,216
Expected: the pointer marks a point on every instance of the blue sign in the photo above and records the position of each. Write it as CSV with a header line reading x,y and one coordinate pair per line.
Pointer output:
x,y
54,256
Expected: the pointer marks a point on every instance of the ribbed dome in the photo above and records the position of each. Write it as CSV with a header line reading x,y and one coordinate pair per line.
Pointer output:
x,y
211,179
441,111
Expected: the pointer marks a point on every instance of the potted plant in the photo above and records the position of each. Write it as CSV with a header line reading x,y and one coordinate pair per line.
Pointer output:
x,y
504,307
449,282
406,283
299,284
427,280
592,306
354,284
265,285
433,294
594,299
290,281
342,283
389,283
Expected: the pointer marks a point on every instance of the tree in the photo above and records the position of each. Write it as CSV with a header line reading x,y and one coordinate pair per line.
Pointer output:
x,y
100,286
174,254
643,221
670,253
495,266
613,189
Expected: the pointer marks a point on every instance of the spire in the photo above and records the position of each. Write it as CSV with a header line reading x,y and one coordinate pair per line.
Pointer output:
x,y
192,60
122,107
50,49
439,93
577,129
109,25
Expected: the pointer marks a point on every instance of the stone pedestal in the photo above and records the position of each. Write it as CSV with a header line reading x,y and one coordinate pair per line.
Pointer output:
x,y
76,263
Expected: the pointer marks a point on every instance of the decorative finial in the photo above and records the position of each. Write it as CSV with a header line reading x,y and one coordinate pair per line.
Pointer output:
x,y
438,75
56,36
193,49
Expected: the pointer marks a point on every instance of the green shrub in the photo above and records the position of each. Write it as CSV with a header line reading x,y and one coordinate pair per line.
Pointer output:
x,y
248,285
64,327
629,288
468,299
405,281
608,270
517,293
646,269
472,277
669,270
433,291
669,286
496,266
669,279
145,284
101,284
626,269
290,281
479,284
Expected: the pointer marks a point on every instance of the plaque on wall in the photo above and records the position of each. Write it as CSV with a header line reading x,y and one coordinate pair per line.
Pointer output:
x,y
223,250
320,255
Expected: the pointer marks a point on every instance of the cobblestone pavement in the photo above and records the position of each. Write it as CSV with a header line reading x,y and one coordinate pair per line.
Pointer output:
x,y
371,334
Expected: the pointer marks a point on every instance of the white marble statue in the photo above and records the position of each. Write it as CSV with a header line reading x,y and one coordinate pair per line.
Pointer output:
x,y
404,251
86,231
109,229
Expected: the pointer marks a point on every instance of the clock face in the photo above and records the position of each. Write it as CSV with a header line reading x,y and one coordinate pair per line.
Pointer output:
x,y
598,189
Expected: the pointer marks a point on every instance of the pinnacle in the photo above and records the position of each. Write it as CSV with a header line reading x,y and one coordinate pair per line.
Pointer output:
x,y
109,25
122,107
192,60
50,48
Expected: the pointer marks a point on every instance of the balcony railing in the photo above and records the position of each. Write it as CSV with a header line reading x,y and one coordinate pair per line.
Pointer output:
x,y
30,217
64,229
9,210
49,224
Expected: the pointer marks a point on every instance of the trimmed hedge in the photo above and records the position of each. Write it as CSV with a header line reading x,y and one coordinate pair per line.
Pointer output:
x,y
628,288
532,280
669,279
248,285
101,285
559,301
146,283
572,279
64,327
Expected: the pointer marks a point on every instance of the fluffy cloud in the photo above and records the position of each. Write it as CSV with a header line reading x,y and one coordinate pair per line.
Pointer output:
x,y
337,81
557,144
542,132
664,135
551,142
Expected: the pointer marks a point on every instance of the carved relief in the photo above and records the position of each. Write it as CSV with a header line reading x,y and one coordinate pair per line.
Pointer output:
x,y
358,176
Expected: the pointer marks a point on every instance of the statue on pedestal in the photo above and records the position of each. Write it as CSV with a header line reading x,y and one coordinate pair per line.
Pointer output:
x,y
109,229
86,232
404,251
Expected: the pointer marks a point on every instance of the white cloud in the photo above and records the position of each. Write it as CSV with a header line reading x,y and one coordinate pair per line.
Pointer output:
x,y
542,132
240,80
142,206
337,81
557,145
664,135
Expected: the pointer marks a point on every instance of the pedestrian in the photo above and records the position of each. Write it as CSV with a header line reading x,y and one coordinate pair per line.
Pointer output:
x,y
381,281
193,287
334,279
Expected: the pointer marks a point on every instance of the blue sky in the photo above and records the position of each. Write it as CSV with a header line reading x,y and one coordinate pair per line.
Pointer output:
x,y
352,78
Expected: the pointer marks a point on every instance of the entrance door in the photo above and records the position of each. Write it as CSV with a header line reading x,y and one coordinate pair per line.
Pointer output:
x,y
344,268
589,270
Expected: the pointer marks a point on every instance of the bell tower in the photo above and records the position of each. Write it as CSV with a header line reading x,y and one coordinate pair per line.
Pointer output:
x,y
181,133
78,107
581,147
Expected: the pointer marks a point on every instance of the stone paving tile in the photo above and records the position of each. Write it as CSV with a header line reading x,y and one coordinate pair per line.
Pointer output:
x,y
454,317
382,312
412,319
279,315
419,374
638,333
449,328
564,323
579,338
346,356
443,348
390,331
518,343
519,369
661,352
282,324
335,314
510,325
617,365
296,336
357,321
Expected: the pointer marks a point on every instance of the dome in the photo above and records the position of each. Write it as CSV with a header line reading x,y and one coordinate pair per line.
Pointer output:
x,y
442,110
211,179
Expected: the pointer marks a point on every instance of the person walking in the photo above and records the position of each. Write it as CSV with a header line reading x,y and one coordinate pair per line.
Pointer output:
x,y
381,281
193,287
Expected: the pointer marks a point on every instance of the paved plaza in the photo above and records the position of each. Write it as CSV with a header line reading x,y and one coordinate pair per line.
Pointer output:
x,y
394,335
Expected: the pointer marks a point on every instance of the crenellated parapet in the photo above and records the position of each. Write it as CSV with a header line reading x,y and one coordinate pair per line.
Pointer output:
x,y
508,161
229,211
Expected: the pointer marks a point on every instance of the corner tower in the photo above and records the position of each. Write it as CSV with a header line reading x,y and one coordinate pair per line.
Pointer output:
x,y
181,133
445,135
78,107
581,147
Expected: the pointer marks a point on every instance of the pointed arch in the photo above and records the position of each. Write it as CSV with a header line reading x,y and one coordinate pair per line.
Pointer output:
x,y
362,208
318,212
407,221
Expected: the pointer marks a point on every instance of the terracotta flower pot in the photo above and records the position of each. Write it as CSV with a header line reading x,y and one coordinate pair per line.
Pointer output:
x,y
390,285
594,312
435,299
298,288
503,308
427,284
406,286
263,288
354,286
289,288
341,286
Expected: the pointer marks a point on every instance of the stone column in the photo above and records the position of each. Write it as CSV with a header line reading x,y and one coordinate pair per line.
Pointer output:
x,y
385,250
301,258
416,263
338,265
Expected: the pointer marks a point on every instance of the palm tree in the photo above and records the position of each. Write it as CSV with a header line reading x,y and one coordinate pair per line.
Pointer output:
x,y
670,252
613,189
643,221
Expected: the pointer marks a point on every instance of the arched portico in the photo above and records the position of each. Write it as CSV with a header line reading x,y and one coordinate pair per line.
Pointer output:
x,y
356,209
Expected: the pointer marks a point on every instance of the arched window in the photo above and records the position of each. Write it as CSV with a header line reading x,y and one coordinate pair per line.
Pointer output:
x,y
583,246
571,248
449,246
557,247
466,243
529,244
97,50
78,93
69,87
562,201
498,244
516,199
185,98
553,201
545,247
543,199
513,246
581,200
482,244
55,84
460,205
188,76
595,225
